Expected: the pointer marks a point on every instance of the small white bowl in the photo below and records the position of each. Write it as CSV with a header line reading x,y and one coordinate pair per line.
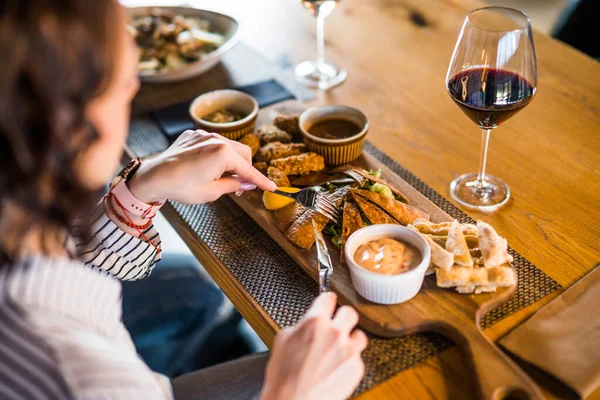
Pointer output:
x,y
220,99
387,289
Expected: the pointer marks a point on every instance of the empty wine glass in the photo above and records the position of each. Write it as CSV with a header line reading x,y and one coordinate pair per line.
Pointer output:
x,y
492,76
319,73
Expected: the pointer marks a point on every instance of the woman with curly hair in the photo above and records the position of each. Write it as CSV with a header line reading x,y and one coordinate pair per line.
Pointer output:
x,y
68,76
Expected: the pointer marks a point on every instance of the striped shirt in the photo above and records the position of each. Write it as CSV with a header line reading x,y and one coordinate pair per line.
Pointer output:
x,y
61,334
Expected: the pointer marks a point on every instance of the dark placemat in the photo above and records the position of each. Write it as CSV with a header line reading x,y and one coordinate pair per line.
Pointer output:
x,y
285,291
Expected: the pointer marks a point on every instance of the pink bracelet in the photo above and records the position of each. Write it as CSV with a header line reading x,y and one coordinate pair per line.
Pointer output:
x,y
132,205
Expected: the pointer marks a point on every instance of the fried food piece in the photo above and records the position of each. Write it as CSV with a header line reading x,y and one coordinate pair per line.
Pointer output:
x,y
275,150
251,140
301,231
270,133
261,166
374,214
403,213
457,245
476,280
352,222
287,215
302,164
288,123
442,228
365,174
280,179
493,247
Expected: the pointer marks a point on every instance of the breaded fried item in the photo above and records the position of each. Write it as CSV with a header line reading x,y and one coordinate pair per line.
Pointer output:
x,y
288,123
270,133
374,214
493,247
302,164
251,140
365,174
280,179
403,213
457,245
261,166
352,222
275,150
301,231
476,280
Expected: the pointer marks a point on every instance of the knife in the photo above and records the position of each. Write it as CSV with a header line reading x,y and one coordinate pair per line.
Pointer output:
x,y
324,266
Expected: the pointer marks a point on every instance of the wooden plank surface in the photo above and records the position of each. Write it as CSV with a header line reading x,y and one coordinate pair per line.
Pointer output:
x,y
549,153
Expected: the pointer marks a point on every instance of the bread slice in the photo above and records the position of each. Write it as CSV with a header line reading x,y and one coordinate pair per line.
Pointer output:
x,y
478,279
442,228
457,245
440,257
494,249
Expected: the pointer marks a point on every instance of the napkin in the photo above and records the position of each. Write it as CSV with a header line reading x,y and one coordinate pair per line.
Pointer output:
x,y
563,338
175,119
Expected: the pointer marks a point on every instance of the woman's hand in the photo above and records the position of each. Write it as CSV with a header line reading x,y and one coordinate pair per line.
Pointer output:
x,y
319,358
199,167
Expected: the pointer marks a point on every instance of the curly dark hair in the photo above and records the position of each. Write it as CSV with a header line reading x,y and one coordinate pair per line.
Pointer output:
x,y
56,58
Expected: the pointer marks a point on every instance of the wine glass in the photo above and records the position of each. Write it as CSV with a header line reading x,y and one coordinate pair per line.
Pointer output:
x,y
492,76
319,73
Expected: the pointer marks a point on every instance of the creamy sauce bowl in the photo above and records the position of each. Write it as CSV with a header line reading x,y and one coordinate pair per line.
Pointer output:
x,y
387,289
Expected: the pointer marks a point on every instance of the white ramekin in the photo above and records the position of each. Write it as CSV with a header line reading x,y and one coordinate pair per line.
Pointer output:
x,y
387,289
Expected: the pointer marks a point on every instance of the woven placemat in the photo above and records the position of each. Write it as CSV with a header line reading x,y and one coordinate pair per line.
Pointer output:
x,y
285,291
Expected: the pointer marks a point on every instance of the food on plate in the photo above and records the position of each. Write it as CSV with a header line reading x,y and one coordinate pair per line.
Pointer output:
x,y
458,259
167,41
261,166
494,248
387,256
442,228
275,150
376,178
401,212
322,178
271,133
334,129
274,201
374,214
476,280
280,179
223,116
287,215
440,257
288,123
302,164
253,141
301,231
352,221
457,245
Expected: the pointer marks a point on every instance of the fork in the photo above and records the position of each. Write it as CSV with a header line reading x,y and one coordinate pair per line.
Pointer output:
x,y
317,201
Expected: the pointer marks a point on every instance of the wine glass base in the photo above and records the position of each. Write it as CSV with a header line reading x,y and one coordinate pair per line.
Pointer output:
x,y
324,77
467,192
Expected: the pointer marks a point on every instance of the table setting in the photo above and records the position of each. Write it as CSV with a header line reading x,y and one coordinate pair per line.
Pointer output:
x,y
348,181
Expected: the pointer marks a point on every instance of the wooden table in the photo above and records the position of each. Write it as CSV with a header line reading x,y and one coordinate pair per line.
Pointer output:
x,y
396,53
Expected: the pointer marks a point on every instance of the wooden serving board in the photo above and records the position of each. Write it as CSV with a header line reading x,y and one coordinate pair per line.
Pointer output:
x,y
434,309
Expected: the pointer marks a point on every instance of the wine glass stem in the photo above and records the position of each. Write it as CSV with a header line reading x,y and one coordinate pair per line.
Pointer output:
x,y
485,139
320,42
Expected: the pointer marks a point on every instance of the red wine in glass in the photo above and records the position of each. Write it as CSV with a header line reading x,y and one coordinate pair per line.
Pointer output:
x,y
492,76
490,96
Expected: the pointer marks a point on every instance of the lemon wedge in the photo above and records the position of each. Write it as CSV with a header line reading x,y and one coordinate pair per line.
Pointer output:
x,y
274,201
